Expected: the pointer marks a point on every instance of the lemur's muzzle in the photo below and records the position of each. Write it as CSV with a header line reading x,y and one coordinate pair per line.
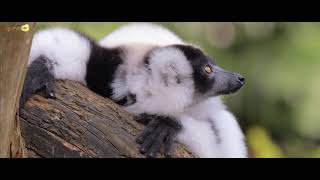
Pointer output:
x,y
236,82
227,82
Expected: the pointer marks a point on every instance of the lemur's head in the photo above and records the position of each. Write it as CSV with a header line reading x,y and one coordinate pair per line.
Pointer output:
x,y
208,78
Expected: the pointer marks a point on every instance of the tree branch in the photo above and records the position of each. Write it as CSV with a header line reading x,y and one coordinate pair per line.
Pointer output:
x,y
80,123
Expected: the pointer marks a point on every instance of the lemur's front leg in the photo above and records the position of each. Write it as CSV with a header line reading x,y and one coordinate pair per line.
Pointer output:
x,y
159,131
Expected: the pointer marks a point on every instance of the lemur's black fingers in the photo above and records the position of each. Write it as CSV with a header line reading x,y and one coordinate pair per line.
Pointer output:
x,y
147,130
146,145
169,143
49,88
50,94
46,92
154,149
144,118
151,138
156,146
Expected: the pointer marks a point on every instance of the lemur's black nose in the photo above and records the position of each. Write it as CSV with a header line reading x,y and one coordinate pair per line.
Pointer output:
x,y
241,79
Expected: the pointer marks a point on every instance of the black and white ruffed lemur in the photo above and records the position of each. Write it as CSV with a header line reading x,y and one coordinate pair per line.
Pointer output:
x,y
170,85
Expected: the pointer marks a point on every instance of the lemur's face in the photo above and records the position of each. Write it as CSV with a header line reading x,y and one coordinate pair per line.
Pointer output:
x,y
210,79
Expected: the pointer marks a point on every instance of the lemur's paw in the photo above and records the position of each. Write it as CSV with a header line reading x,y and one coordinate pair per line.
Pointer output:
x,y
47,90
39,79
159,132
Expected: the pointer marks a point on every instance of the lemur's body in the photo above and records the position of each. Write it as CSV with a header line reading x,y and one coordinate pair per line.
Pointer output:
x,y
150,70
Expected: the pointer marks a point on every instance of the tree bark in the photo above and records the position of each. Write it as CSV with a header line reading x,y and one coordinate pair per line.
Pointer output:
x,y
14,52
80,123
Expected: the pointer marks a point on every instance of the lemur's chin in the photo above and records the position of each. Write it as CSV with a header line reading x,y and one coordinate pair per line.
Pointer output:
x,y
235,88
232,89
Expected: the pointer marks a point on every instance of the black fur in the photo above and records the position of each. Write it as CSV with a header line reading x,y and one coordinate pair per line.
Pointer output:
x,y
101,68
39,79
198,60
215,131
160,130
127,100
219,82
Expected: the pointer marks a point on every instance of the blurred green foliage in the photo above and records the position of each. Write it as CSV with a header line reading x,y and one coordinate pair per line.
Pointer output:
x,y
278,107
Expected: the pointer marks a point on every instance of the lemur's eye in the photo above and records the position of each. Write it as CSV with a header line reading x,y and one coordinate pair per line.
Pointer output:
x,y
208,69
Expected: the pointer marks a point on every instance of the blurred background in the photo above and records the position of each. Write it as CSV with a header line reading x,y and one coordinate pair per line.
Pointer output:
x,y
278,108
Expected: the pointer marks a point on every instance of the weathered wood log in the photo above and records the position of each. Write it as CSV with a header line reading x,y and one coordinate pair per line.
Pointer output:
x,y
15,45
80,123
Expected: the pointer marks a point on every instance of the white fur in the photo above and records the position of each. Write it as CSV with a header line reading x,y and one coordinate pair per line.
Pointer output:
x,y
198,137
178,100
66,49
231,138
153,95
145,33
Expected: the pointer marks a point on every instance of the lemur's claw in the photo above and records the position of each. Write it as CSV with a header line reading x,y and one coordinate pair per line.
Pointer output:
x,y
152,155
48,89
52,95
47,92
168,155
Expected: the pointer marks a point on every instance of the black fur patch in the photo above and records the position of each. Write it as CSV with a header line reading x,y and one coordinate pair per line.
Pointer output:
x,y
122,101
146,61
178,79
128,100
165,79
39,79
215,131
198,60
101,68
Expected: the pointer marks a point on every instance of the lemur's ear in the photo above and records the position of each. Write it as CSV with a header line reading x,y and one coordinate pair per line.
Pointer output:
x,y
169,59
